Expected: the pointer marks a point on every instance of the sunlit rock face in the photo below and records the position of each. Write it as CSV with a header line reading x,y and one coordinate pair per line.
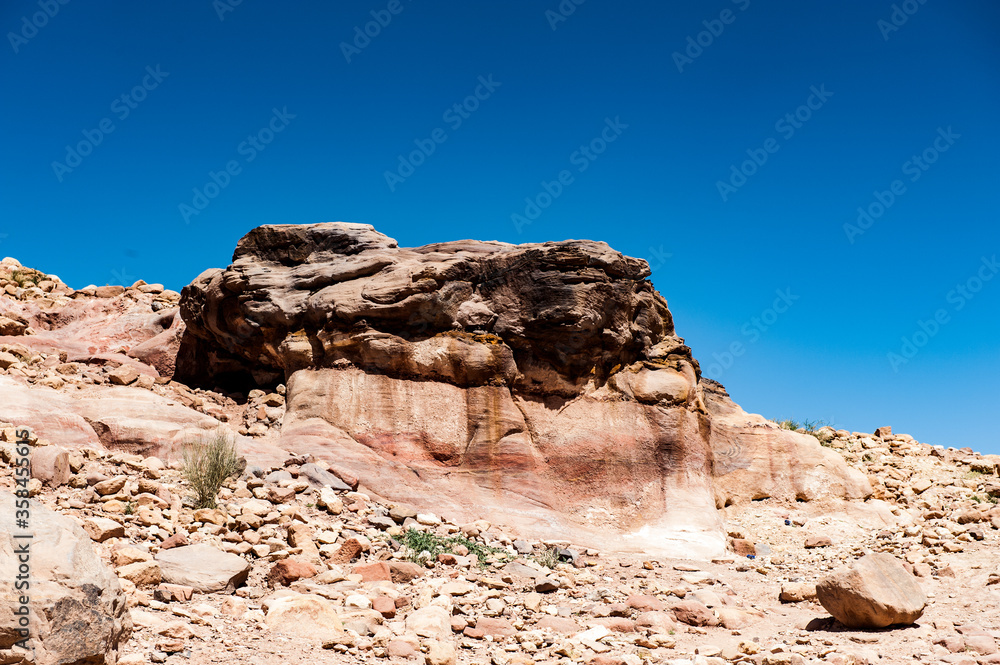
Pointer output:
x,y
538,385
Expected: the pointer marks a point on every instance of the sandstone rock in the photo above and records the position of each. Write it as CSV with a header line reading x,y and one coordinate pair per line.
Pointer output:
x,y
818,541
431,621
160,351
694,613
348,552
110,486
384,606
141,573
286,571
11,326
123,556
875,592
125,418
796,592
203,568
123,375
558,625
323,478
70,588
176,592
374,572
50,464
404,571
109,291
304,615
495,627
233,607
744,547
755,459
401,649
441,653
484,327
302,537
101,528
177,540
8,360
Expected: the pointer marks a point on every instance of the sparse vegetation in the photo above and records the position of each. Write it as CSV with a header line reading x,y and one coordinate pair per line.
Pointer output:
x,y
207,465
424,545
548,557
811,427
805,426
26,277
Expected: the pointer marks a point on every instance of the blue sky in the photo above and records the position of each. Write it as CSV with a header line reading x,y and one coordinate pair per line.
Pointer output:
x,y
727,142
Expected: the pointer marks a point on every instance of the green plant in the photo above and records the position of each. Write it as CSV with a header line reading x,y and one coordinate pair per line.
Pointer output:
x,y
207,465
129,508
418,542
808,426
548,557
27,276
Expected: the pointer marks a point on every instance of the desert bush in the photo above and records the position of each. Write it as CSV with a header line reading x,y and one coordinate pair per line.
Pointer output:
x,y
424,545
806,426
208,464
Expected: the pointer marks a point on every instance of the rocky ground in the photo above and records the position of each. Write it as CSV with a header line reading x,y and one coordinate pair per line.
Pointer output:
x,y
330,576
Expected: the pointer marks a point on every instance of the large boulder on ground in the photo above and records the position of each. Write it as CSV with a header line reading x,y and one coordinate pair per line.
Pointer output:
x,y
541,385
203,568
76,609
303,615
873,593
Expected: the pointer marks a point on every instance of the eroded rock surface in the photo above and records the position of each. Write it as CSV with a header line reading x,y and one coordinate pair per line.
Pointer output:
x,y
542,384
77,611
873,593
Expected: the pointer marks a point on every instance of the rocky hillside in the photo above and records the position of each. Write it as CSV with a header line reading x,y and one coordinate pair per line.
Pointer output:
x,y
465,452
294,567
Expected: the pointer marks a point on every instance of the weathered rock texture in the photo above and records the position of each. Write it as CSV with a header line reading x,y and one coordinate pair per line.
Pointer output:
x,y
541,385
755,459
873,593
77,611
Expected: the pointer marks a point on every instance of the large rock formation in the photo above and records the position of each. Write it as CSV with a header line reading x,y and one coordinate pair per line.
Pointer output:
x,y
76,611
541,385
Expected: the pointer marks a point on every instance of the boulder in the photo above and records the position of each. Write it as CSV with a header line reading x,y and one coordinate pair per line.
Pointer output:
x,y
141,573
50,464
432,621
304,615
694,613
102,528
289,570
873,593
203,568
77,610
797,592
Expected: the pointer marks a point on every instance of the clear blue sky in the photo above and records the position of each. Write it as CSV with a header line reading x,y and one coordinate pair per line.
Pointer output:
x,y
201,80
